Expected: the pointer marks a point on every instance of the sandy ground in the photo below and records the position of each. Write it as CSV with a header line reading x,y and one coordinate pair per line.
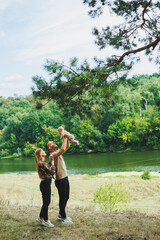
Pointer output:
x,y
20,202
23,189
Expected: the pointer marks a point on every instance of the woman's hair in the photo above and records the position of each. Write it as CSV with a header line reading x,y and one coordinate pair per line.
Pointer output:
x,y
37,155
38,158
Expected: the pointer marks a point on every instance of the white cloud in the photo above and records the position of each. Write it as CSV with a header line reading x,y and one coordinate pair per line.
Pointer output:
x,y
12,78
12,85
59,30
4,4
2,34
54,39
50,48
33,31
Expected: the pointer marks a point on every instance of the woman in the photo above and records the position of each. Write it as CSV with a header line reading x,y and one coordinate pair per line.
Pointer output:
x,y
45,172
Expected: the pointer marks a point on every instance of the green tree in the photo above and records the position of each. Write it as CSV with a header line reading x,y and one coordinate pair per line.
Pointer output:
x,y
90,138
14,125
124,102
71,86
29,149
137,30
102,120
135,132
31,127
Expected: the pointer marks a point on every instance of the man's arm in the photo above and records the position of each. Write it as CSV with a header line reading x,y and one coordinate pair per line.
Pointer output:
x,y
64,147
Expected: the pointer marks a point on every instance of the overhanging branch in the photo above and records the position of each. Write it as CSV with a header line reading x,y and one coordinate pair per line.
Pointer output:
x,y
118,61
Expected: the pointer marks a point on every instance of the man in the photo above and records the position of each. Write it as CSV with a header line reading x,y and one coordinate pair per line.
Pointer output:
x,y
61,178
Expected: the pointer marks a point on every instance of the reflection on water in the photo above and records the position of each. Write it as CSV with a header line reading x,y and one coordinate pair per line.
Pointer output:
x,y
92,163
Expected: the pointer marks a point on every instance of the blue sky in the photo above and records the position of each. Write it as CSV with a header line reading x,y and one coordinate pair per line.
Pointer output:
x,y
32,31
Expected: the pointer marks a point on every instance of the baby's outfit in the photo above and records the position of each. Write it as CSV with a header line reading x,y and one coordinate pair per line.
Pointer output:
x,y
71,137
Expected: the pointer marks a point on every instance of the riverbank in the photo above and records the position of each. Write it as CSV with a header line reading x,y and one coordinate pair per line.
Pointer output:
x,y
20,202
92,163
128,150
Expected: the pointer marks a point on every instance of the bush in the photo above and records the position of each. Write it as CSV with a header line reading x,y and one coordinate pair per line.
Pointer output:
x,y
146,175
111,196
29,149
152,141
17,155
4,152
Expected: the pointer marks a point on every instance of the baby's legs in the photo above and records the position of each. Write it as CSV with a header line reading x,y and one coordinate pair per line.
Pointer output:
x,y
74,141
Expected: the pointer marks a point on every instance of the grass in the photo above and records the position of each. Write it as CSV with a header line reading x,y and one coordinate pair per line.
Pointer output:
x,y
9,156
20,202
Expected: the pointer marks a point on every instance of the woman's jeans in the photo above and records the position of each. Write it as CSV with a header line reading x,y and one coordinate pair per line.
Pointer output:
x,y
45,187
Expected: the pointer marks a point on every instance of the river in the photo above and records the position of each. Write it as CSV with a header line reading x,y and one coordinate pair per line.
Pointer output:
x,y
91,163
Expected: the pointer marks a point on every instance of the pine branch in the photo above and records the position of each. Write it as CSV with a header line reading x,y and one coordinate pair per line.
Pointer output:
x,y
152,44
143,13
69,68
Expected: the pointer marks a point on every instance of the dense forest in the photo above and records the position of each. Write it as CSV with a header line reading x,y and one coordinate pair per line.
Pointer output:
x,y
127,119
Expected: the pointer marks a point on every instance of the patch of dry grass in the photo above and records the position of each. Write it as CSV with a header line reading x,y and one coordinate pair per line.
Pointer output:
x,y
20,202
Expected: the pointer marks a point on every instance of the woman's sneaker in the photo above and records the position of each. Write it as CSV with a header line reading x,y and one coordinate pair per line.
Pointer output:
x,y
47,224
39,220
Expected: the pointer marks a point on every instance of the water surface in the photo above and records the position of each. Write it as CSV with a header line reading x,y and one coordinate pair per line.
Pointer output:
x,y
91,163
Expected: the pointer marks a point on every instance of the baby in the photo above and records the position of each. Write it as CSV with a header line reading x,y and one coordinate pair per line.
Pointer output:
x,y
71,138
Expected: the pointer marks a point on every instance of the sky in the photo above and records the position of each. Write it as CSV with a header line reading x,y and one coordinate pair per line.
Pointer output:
x,y
32,31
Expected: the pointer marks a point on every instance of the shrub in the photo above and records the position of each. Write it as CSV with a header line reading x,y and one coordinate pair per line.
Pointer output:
x,y
152,141
111,196
4,152
17,155
146,175
29,149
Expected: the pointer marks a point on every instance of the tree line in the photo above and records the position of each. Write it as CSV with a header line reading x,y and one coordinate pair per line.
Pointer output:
x,y
128,118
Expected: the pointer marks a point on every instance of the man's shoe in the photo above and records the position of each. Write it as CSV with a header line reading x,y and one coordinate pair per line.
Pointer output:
x,y
61,219
66,221
39,220
47,223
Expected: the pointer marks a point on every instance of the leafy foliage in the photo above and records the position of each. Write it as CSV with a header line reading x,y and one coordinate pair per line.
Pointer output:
x,y
111,197
137,30
128,119
137,27
29,149
68,85
146,175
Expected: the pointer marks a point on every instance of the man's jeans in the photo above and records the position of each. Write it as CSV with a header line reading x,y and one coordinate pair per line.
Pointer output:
x,y
63,191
